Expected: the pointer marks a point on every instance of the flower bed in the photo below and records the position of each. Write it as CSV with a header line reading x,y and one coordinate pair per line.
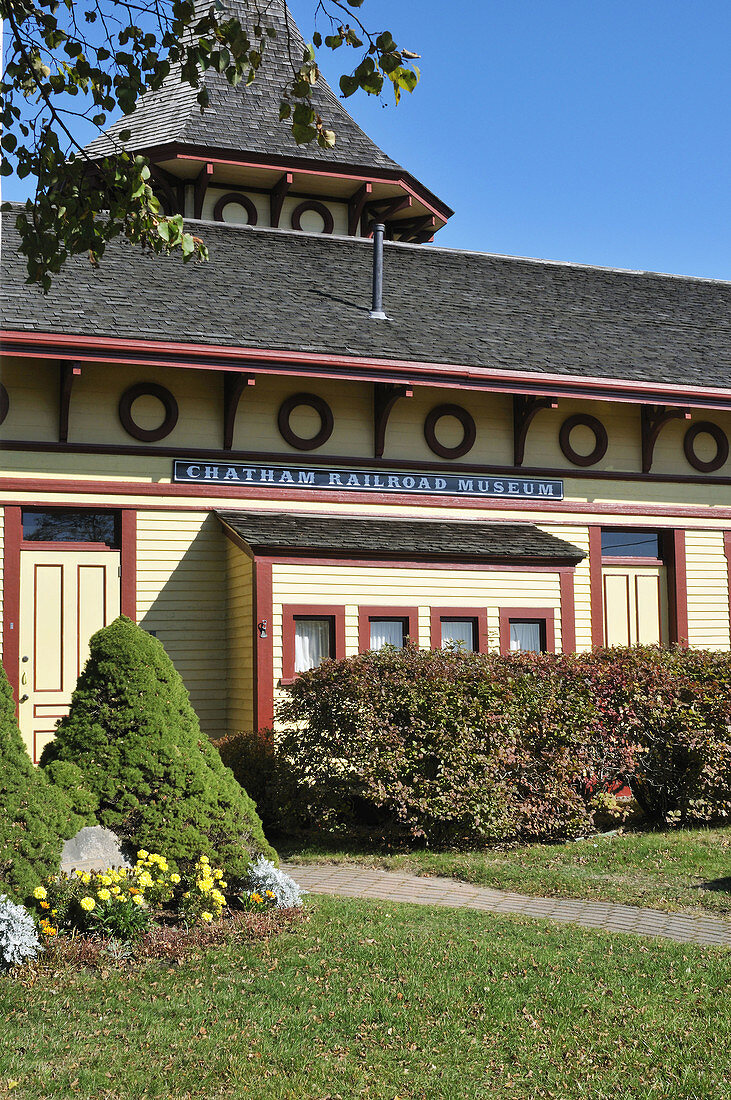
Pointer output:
x,y
150,910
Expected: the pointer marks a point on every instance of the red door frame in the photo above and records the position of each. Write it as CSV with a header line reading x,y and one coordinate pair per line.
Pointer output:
x,y
13,544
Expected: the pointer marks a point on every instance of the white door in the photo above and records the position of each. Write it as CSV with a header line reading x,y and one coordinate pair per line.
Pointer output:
x,y
65,596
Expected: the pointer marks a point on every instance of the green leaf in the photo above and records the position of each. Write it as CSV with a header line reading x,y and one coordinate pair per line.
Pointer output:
x,y
348,85
303,135
317,39
284,111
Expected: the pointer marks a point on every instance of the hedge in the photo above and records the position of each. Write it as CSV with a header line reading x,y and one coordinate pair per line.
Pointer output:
x,y
449,747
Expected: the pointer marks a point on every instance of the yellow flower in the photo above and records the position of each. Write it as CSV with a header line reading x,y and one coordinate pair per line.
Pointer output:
x,y
142,854
175,878
205,885
218,896
40,892
105,880
86,878
54,912
218,873
204,859
186,894
138,899
88,904
45,905
145,879
269,894
222,884
206,916
103,894
257,898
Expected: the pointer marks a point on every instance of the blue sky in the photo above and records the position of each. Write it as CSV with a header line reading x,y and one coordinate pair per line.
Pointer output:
x,y
595,132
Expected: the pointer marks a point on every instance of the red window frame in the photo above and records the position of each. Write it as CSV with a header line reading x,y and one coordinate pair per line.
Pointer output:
x,y
410,616
477,614
546,615
290,613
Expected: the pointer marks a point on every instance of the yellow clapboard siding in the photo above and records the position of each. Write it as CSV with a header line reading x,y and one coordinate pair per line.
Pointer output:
x,y
707,580
421,587
579,537
240,603
186,605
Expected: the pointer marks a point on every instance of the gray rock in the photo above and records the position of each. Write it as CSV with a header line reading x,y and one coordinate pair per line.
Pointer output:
x,y
92,849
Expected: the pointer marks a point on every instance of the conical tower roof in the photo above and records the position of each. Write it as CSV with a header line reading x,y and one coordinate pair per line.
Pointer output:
x,y
245,119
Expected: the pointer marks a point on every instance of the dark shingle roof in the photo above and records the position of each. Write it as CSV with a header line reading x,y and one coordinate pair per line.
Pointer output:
x,y
296,292
245,119
418,538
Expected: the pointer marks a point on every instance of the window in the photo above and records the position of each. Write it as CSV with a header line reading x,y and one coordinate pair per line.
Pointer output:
x,y
527,630
624,542
527,636
310,634
314,640
463,626
58,525
459,632
380,626
385,632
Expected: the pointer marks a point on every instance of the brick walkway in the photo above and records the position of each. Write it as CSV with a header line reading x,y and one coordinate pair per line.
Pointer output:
x,y
351,881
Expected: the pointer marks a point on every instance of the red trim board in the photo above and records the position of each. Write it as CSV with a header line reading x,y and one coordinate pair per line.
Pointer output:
x,y
263,647
596,586
279,361
128,582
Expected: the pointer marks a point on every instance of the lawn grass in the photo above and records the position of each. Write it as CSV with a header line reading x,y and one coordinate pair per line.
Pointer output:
x,y
386,1001
683,870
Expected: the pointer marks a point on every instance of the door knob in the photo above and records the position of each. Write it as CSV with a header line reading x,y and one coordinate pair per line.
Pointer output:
x,y
24,698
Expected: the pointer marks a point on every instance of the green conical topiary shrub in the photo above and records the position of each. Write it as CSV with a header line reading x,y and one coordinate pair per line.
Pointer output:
x,y
35,816
160,782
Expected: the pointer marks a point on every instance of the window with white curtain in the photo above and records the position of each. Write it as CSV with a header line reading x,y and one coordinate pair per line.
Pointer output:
x,y
459,632
312,642
387,632
526,636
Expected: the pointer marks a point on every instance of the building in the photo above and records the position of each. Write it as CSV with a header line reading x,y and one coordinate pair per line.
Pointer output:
x,y
240,457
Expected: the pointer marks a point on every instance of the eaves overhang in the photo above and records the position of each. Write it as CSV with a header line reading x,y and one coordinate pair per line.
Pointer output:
x,y
276,361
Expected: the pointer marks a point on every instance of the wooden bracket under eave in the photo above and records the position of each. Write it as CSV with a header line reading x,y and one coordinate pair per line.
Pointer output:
x,y
414,230
67,373
381,210
385,396
524,409
653,419
234,384
277,196
356,205
199,189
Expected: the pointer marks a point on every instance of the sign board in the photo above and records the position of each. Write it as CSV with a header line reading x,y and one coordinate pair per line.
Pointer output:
x,y
368,481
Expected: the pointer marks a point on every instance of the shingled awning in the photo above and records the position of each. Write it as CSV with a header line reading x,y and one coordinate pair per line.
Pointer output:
x,y
267,532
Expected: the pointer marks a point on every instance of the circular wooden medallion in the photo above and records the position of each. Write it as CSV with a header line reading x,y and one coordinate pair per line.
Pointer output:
x,y
148,389
706,427
236,199
601,440
468,426
319,208
313,402
4,402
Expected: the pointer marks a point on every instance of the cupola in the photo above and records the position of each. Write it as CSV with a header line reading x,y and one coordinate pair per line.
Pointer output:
x,y
237,162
